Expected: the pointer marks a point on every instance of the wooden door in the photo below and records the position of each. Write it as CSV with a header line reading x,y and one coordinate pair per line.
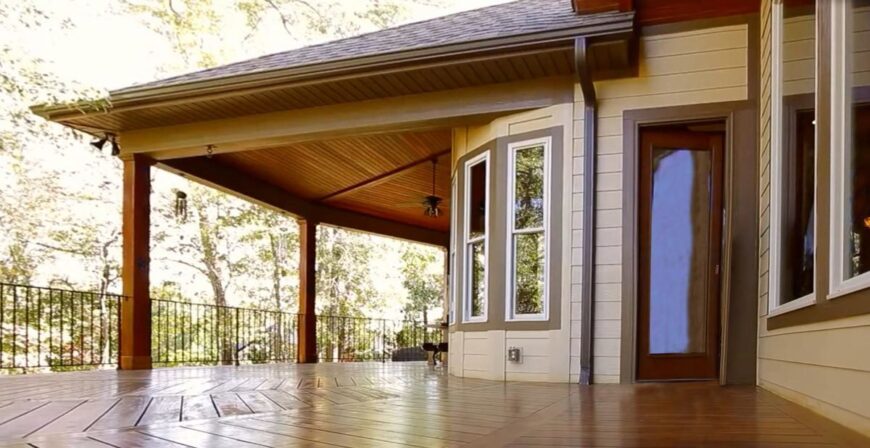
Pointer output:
x,y
680,234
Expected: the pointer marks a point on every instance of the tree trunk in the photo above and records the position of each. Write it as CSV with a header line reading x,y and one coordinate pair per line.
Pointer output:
x,y
278,331
227,319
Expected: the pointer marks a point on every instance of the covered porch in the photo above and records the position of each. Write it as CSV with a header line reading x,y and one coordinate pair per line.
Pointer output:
x,y
397,404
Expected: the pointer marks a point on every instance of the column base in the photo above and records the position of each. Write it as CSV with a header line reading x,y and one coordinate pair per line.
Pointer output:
x,y
134,363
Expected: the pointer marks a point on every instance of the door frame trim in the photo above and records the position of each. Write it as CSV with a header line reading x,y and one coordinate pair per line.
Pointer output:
x,y
739,281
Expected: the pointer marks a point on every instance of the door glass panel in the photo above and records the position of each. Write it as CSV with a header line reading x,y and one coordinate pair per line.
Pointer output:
x,y
679,250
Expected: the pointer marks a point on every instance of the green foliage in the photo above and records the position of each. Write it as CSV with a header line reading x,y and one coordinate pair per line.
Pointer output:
x,y
425,287
60,203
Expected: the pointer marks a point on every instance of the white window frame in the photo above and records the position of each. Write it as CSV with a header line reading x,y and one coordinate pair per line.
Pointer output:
x,y
451,257
841,138
467,241
511,231
776,168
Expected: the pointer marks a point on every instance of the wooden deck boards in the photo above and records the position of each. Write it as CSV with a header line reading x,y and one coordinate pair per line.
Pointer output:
x,y
388,405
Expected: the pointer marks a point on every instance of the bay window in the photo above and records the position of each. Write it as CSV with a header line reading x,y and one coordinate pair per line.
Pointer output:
x,y
528,178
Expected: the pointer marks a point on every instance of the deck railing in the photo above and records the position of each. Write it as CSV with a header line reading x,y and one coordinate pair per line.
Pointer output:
x,y
346,339
57,328
190,333
66,330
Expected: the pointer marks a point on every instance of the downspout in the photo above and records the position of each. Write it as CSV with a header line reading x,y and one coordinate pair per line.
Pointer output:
x,y
590,145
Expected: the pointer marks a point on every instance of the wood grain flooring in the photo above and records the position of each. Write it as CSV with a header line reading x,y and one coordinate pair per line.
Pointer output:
x,y
389,405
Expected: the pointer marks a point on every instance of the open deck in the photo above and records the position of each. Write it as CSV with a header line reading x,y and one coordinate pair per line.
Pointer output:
x,y
387,405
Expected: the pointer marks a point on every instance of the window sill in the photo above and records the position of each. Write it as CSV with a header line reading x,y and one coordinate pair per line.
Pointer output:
x,y
803,302
527,318
478,320
850,286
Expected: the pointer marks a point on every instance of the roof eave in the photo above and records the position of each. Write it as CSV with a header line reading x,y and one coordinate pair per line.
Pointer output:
x,y
614,23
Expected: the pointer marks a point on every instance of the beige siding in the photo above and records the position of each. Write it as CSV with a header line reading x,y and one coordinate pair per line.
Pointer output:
x,y
693,67
823,366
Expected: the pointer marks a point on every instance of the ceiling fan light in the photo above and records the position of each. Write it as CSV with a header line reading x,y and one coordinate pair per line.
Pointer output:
x,y
99,143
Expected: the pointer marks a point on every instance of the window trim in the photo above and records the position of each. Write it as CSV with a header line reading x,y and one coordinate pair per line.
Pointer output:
x,y
840,141
467,242
774,305
511,231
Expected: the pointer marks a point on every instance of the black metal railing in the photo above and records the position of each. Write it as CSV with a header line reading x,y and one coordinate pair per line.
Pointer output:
x,y
349,339
66,330
192,333
56,328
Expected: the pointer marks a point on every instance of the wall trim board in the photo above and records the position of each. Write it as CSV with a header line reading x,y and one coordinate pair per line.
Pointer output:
x,y
740,233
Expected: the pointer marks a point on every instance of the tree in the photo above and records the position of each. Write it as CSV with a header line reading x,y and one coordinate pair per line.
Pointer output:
x,y
209,242
204,35
425,285
276,241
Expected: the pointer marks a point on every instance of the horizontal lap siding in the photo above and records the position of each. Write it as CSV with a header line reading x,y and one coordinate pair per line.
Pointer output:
x,y
823,366
693,67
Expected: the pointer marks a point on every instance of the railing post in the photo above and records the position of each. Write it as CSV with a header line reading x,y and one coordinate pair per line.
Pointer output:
x,y
383,340
236,344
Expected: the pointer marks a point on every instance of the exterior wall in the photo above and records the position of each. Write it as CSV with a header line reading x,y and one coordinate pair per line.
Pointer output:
x,y
680,68
823,366
545,353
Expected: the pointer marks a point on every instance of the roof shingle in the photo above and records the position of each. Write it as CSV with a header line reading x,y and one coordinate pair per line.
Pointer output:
x,y
510,19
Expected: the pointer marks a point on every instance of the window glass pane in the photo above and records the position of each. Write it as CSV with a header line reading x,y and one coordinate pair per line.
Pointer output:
x,y
477,200
858,137
798,150
529,188
478,279
679,250
798,213
529,273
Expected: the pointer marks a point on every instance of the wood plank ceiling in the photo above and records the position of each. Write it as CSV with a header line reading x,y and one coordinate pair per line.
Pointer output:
x,y
383,175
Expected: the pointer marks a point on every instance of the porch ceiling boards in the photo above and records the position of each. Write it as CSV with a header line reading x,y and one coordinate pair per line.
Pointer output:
x,y
383,175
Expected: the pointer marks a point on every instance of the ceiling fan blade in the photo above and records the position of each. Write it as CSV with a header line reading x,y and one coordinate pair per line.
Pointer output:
x,y
418,204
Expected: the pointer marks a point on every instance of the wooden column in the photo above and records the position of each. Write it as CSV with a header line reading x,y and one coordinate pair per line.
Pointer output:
x,y
307,329
135,331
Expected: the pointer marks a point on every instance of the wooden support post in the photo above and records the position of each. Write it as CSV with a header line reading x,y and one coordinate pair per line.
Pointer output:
x,y
307,329
135,324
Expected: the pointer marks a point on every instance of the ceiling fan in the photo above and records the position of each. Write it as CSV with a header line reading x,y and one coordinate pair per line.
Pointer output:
x,y
432,203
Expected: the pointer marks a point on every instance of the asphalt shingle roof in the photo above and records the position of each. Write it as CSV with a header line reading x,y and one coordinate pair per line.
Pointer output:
x,y
504,20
